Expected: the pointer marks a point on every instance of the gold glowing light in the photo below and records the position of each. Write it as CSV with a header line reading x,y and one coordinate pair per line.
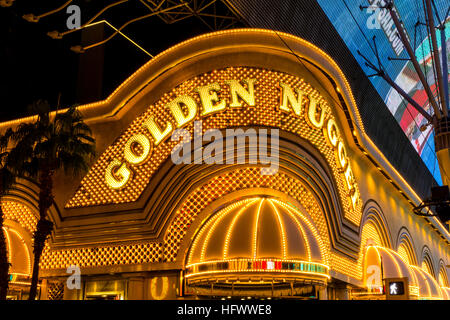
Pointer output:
x,y
252,208
282,230
329,64
11,253
230,228
272,266
172,111
213,222
130,154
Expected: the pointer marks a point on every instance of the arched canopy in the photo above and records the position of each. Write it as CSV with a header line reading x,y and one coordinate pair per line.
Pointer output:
x,y
445,293
381,263
428,287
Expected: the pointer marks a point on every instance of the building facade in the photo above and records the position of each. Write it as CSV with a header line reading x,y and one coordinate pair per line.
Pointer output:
x,y
324,215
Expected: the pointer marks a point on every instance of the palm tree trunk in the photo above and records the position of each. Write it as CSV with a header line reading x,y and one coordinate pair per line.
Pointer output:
x,y
44,227
4,264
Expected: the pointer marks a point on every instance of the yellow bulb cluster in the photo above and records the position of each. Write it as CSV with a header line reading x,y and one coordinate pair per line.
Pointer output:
x,y
27,250
431,290
20,213
230,229
404,254
95,191
135,253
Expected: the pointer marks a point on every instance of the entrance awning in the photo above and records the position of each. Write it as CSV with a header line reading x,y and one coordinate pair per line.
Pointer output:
x,y
260,246
445,293
381,263
19,254
428,287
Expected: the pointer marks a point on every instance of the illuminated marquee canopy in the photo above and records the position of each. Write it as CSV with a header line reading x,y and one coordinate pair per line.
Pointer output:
x,y
257,239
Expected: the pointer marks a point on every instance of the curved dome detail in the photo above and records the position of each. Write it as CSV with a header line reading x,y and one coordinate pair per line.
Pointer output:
x,y
18,253
257,228
257,239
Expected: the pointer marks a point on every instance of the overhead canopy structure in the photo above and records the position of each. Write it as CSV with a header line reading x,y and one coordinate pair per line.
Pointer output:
x,y
19,254
382,263
428,286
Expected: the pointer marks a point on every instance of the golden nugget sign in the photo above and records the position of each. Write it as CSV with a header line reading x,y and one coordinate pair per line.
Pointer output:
x,y
184,109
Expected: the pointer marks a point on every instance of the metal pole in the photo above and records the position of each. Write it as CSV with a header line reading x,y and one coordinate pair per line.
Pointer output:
x,y
380,72
412,55
435,54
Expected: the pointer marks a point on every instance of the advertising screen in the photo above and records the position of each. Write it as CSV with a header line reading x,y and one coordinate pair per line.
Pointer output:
x,y
358,21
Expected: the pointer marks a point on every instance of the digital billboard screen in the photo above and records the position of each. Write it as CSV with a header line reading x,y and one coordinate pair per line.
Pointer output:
x,y
358,21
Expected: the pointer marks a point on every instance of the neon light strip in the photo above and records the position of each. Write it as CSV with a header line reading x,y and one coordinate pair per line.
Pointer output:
x,y
261,270
416,272
120,32
395,255
8,240
365,262
392,258
423,274
204,228
415,279
20,274
258,266
414,290
305,238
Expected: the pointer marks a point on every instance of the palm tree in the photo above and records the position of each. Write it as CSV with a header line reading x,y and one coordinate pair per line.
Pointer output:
x,y
6,181
61,141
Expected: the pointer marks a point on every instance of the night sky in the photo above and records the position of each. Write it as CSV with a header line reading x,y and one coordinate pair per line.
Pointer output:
x,y
34,66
